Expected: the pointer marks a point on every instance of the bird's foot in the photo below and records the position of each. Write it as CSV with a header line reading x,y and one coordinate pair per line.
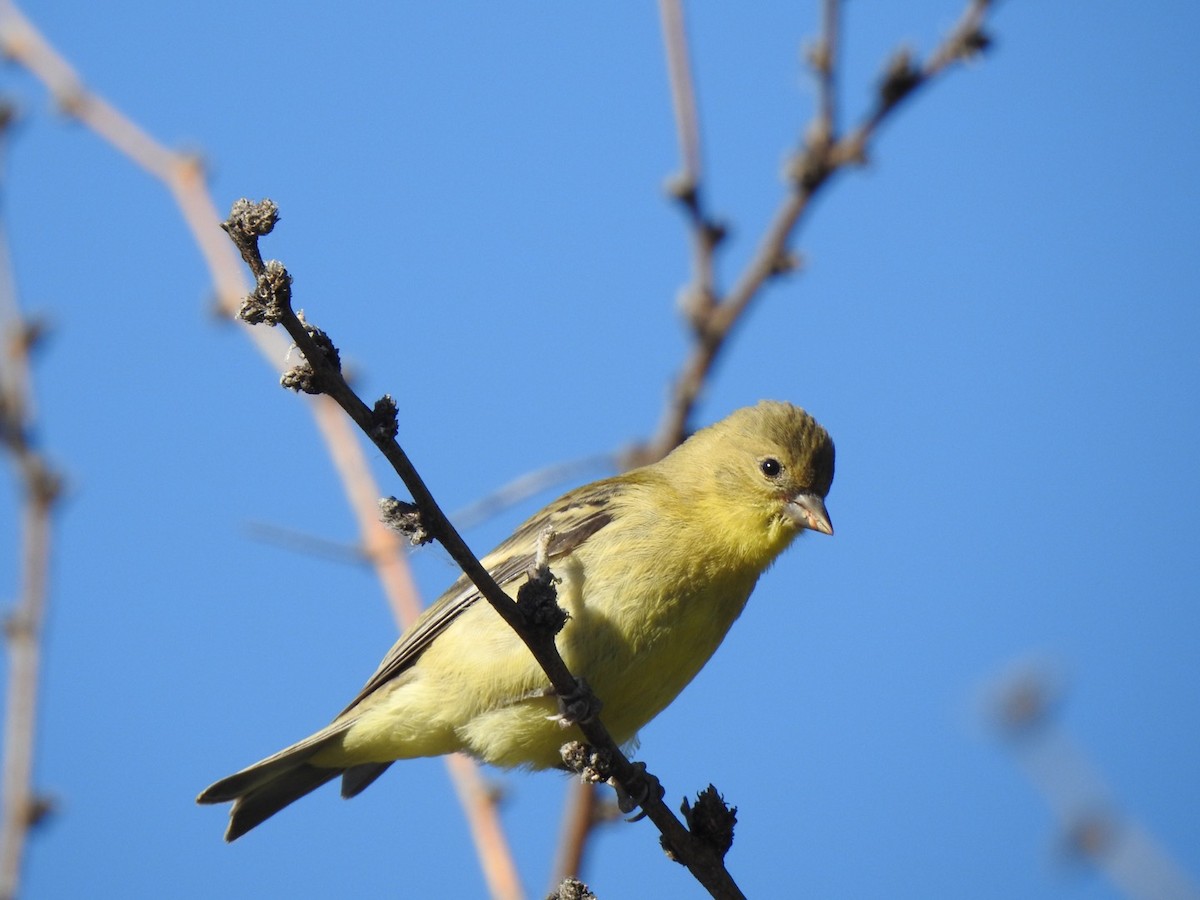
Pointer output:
x,y
581,705
648,786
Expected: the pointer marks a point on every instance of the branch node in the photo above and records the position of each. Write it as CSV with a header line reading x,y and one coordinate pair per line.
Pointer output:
x,y
808,169
247,222
682,187
42,807
1092,834
404,518
46,485
306,377
192,166
272,297
9,114
899,78
1026,704
819,55
72,101
252,220
974,43
323,342
786,262
714,232
537,600
711,820
31,335
301,379
571,889
593,766
386,426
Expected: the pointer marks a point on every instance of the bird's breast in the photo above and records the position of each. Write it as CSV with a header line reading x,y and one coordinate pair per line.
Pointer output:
x,y
640,630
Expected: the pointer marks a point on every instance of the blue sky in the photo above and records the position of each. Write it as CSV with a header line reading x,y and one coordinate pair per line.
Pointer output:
x,y
998,323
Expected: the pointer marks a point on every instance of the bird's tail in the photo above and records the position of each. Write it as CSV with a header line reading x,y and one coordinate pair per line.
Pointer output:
x,y
263,789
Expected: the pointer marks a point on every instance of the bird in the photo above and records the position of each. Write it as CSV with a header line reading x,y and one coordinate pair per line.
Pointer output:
x,y
652,567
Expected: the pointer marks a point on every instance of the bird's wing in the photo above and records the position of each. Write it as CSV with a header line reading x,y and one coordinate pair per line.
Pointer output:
x,y
573,519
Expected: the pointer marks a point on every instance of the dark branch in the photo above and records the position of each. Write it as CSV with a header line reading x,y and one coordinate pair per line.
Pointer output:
x,y
322,372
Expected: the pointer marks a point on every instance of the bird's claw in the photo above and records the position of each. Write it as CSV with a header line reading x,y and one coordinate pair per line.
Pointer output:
x,y
627,802
581,705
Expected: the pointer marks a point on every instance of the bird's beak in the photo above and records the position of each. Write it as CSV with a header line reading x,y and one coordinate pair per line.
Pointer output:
x,y
808,511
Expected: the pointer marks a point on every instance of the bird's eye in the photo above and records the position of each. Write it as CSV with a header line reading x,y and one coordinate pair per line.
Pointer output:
x,y
771,467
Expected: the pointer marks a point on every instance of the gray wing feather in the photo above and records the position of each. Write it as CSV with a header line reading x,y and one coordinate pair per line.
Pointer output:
x,y
583,512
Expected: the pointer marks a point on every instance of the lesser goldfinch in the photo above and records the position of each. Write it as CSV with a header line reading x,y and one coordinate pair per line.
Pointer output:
x,y
653,566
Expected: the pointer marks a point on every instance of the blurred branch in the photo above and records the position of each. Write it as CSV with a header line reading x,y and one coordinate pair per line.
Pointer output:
x,y
516,491
824,153
183,176
583,811
41,486
824,58
306,544
697,299
711,314
712,317
1093,830
525,486
271,304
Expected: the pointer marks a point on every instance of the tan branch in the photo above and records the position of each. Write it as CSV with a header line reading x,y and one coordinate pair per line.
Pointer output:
x,y
581,814
183,176
687,187
823,154
321,372
1092,827
22,807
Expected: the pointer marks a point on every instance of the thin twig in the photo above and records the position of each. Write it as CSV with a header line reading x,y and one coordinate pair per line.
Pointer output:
x,y
687,186
824,60
478,803
305,544
1093,828
321,372
507,495
528,485
823,154
683,93
581,814
22,806
184,177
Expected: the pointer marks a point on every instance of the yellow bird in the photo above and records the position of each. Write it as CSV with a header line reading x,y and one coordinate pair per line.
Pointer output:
x,y
654,566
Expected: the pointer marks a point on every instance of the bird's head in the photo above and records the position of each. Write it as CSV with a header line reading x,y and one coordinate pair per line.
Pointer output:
x,y
762,473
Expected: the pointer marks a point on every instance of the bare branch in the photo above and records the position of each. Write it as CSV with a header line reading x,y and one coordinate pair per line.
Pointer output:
x,y
823,154
478,803
687,187
713,317
532,483
1093,829
22,806
184,177
321,371
824,59
582,811
683,94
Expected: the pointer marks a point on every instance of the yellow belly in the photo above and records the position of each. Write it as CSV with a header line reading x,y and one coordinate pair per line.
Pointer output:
x,y
478,689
